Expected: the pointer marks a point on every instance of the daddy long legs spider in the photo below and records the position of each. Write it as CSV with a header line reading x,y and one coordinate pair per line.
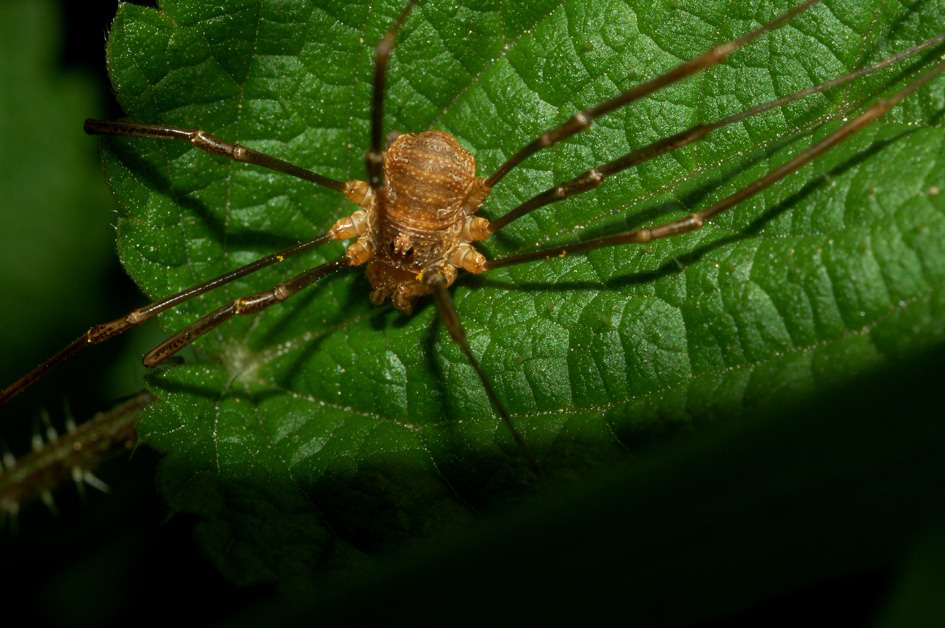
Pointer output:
x,y
582,350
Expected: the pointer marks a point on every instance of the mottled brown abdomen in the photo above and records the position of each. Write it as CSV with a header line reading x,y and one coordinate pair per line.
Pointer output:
x,y
418,218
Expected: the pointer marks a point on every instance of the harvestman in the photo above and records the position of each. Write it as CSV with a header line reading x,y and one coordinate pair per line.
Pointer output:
x,y
416,223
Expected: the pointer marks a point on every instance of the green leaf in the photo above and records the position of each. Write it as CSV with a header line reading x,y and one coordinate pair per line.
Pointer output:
x,y
327,430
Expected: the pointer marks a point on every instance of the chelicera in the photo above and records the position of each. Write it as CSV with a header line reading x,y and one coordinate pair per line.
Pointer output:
x,y
416,226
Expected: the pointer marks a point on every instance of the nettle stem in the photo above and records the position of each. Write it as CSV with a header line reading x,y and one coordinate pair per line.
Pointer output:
x,y
72,455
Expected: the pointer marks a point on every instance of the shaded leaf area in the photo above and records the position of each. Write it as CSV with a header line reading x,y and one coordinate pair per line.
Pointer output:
x,y
753,525
327,430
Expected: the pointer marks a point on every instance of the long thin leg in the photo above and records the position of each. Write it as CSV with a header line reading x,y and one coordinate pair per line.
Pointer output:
x,y
210,144
436,282
595,176
583,119
695,221
103,332
374,156
249,304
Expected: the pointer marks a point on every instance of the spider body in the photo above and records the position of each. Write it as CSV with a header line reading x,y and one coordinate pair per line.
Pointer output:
x,y
420,220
